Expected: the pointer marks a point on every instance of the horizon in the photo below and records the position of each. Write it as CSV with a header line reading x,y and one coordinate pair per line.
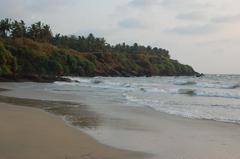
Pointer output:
x,y
195,32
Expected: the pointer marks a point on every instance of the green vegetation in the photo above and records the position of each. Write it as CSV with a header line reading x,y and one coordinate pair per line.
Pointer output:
x,y
8,63
34,51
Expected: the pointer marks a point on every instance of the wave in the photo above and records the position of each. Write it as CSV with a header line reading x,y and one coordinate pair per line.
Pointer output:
x,y
66,83
216,85
189,111
185,83
194,92
151,90
186,91
126,85
142,102
102,83
209,85
77,80
218,94
97,81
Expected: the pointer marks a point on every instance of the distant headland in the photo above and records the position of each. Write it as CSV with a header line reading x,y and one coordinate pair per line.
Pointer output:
x,y
33,53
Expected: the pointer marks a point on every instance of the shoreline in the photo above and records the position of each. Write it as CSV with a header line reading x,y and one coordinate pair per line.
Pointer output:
x,y
15,99
31,133
50,79
34,78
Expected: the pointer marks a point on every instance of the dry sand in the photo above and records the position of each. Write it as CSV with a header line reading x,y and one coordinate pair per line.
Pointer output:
x,y
28,133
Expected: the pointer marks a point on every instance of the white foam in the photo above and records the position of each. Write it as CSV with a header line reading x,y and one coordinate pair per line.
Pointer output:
x,y
191,99
218,113
218,94
182,82
205,93
218,85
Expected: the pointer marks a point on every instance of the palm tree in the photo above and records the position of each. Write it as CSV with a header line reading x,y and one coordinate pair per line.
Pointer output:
x,y
5,26
46,33
18,29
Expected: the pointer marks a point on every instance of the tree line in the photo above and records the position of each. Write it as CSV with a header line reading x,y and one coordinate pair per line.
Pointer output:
x,y
34,51
90,44
18,29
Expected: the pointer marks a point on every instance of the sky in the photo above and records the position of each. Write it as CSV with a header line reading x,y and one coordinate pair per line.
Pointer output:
x,y
202,33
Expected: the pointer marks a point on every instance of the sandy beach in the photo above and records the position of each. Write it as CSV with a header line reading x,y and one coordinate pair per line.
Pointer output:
x,y
130,132
128,79
28,133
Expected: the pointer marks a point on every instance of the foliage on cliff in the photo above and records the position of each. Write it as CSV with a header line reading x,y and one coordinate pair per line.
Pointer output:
x,y
34,50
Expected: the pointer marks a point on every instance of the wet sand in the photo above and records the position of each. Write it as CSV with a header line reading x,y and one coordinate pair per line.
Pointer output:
x,y
169,136
29,133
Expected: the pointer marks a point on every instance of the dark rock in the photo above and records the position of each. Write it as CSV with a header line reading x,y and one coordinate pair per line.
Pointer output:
x,y
200,75
34,78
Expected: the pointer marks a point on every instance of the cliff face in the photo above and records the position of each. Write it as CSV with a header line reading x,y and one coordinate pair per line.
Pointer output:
x,y
24,57
139,65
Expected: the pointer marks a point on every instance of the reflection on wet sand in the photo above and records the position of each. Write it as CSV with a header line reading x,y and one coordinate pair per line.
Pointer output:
x,y
77,114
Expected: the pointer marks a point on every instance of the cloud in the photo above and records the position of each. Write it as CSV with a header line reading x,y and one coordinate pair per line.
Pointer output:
x,y
190,16
142,3
29,8
178,4
226,19
185,4
191,29
131,23
219,42
43,5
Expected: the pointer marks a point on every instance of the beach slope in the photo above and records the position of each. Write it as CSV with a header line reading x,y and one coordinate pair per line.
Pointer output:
x,y
28,133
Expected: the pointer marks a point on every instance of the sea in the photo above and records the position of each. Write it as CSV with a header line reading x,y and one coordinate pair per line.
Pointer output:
x,y
212,97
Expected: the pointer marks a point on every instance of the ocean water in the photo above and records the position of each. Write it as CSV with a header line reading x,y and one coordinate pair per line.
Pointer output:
x,y
213,97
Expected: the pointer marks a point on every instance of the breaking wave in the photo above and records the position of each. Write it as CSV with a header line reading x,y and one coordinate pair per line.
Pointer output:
x,y
209,85
194,92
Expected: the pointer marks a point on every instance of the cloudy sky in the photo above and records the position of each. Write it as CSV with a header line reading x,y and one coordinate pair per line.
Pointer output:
x,y
202,33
